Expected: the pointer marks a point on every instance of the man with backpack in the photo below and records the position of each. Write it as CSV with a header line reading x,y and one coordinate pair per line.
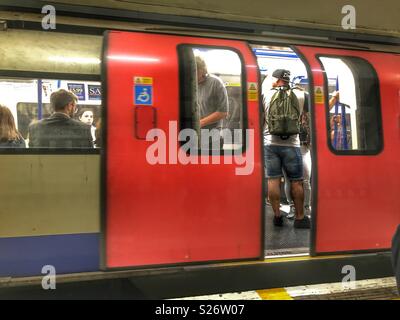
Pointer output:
x,y
283,107
305,148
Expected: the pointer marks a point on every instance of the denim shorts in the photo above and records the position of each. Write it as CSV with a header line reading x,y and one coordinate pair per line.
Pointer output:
x,y
278,158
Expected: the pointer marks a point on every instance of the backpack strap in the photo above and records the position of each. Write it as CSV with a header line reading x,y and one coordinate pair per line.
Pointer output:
x,y
266,111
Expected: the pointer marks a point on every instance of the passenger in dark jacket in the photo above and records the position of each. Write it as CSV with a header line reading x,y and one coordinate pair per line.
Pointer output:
x,y
396,256
9,135
60,130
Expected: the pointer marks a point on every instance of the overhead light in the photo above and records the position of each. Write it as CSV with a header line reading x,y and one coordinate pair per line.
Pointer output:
x,y
132,58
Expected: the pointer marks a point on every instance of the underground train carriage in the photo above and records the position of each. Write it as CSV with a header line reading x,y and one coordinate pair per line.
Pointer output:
x,y
225,222
215,227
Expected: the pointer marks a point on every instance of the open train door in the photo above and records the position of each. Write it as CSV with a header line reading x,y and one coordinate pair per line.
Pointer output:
x,y
167,206
356,164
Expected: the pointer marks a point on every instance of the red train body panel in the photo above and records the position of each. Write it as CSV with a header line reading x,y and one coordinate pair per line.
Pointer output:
x,y
357,195
172,213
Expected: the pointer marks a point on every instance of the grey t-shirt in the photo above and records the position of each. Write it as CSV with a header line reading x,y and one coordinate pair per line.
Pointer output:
x,y
212,97
269,139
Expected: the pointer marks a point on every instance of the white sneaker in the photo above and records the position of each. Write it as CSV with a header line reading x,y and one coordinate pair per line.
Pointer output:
x,y
292,213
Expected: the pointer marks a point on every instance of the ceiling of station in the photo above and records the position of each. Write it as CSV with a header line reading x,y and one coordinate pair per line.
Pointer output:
x,y
373,17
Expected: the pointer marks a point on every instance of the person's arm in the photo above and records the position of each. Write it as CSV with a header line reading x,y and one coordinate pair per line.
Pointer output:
x,y
213,117
333,99
220,98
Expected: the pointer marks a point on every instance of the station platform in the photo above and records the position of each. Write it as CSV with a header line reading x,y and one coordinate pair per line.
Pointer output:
x,y
289,278
372,289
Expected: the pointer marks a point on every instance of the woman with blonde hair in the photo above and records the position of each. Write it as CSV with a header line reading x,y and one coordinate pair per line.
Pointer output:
x,y
9,135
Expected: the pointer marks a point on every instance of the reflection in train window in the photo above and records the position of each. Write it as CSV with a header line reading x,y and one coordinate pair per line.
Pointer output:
x,y
212,98
28,100
354,106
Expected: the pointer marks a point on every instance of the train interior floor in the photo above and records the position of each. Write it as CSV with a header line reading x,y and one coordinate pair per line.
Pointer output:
x,y
284,240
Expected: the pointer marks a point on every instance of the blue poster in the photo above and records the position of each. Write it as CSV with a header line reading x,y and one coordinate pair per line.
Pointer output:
x,y
94,92
78,89
143,95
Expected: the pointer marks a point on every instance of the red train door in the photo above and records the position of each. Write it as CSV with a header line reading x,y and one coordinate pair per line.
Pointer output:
x,y
172,208
356,164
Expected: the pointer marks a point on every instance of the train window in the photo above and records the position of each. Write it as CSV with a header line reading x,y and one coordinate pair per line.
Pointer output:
x,y
354,116
32,121
212,104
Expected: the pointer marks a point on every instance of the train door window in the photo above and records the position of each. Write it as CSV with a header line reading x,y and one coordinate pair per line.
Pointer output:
x,y
354,116
212,98
27,101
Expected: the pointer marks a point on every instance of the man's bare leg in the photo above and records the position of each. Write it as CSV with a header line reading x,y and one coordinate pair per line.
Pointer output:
x,y
297,193
274,194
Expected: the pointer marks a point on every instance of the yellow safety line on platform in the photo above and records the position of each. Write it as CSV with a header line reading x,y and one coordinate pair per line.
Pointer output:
x,y
274,294
303,258
285,259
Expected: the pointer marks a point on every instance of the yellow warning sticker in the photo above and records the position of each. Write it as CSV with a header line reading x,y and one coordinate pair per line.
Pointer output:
x,y
232,84
143,80
252,90
319,94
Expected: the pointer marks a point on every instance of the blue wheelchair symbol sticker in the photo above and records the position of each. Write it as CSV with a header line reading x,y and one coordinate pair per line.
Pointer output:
x,y
143,95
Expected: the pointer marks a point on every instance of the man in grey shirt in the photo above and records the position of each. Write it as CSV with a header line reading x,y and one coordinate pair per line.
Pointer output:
x,y
284,154
212,98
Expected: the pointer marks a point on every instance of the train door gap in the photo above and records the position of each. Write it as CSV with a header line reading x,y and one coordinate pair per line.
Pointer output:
x,y
285,240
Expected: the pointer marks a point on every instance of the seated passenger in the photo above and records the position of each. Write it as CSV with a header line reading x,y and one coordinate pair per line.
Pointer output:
x,y
9,135
60,130
85,115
